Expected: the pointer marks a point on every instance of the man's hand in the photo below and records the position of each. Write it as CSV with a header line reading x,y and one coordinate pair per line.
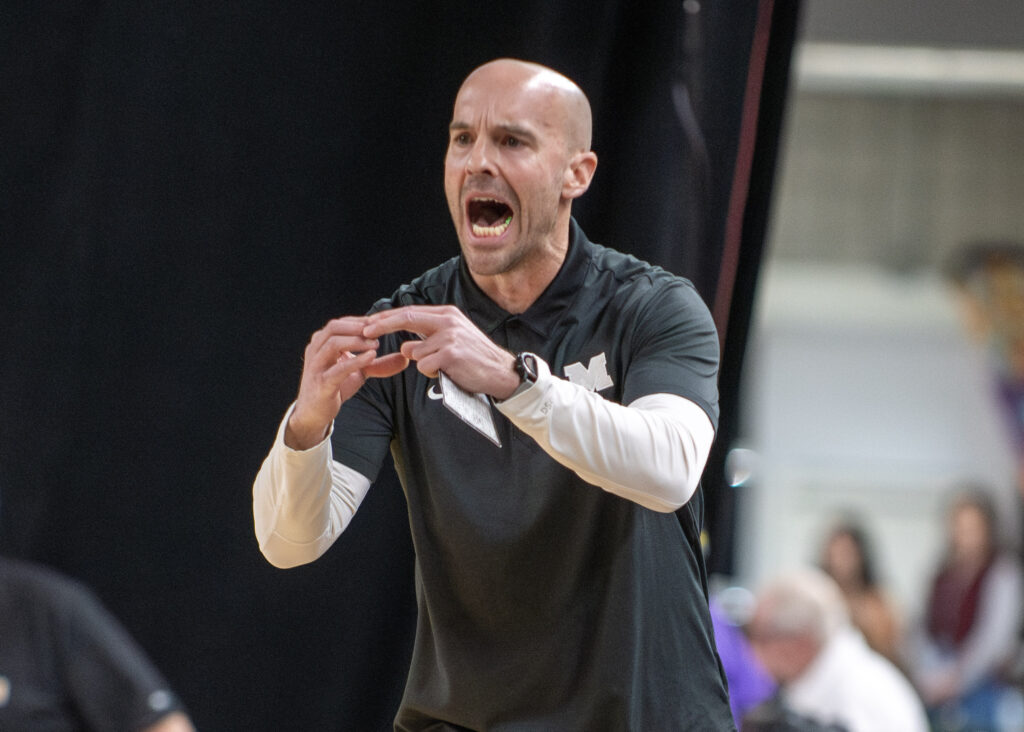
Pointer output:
x,y
338,360
450,343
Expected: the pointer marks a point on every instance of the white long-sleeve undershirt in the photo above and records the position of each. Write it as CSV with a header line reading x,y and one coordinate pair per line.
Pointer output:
x,y
302,500
651,452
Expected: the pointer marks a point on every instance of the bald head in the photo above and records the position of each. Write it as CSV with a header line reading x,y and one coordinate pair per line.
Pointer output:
x,y
518,156
554,93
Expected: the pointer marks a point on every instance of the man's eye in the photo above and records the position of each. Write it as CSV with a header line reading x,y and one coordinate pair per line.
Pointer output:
x,y
461,139
512,142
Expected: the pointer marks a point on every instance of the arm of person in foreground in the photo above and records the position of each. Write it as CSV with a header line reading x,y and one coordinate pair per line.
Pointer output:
x,y
302,498
109,680
652,451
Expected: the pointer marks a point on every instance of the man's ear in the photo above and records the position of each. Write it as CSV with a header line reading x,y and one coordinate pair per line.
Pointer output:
x,y
578,174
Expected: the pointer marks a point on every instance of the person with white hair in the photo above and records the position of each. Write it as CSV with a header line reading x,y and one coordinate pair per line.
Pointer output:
x,y
827,674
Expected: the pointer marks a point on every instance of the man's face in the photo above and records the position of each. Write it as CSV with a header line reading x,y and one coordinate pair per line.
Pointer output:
x,y
969,534
785,656
505,168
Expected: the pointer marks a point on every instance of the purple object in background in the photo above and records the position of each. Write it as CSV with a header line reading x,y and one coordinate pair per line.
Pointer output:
x,y
749,683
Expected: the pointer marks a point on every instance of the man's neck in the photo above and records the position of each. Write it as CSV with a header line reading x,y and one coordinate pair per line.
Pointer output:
x,y
516,290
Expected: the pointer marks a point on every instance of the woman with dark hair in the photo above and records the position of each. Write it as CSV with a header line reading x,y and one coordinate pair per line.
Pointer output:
x,y
847,557
970,625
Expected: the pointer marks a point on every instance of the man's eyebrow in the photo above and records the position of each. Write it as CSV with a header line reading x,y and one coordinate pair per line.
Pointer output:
x,y
518,131
508,127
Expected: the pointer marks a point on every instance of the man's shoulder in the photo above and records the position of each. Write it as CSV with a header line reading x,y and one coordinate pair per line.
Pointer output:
x,y
433,287
639,285
629,269
40,587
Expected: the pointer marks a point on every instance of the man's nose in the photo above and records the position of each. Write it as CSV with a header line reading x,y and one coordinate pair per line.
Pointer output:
x,y
481,159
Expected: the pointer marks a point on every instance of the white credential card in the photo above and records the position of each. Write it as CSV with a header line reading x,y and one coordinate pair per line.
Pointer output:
x,y
473,409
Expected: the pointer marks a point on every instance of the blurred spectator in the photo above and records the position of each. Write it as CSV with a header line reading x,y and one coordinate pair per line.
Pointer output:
x,y
970,627
847,557
67,665
774,716
828,676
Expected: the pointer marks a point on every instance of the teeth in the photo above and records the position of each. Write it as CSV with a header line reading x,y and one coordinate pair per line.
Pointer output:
x,y
496,230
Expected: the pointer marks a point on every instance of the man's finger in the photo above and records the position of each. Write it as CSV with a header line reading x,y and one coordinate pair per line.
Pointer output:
x,y
346,364
351,325
385,366
336,347
420,319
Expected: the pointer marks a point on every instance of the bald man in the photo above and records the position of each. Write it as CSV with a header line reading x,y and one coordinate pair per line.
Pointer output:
x,y
550,404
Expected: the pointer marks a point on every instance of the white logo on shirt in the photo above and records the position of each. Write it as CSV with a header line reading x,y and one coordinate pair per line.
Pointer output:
x,y
434,393
594,377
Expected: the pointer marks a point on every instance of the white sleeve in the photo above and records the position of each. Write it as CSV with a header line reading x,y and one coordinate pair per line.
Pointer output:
x,y
651,452
302,500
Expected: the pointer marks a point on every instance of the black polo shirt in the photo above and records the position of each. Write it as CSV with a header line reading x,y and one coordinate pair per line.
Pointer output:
x,y
546,603
66,664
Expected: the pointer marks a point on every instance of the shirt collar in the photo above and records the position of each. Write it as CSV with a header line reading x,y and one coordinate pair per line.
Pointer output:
x,y
545,312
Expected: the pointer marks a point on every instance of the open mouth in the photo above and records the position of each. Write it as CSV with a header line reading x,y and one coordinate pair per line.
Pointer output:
x,y
488,216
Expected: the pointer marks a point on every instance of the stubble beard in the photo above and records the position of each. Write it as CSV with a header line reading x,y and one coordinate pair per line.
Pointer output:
x,y
511,256
528,248
494,263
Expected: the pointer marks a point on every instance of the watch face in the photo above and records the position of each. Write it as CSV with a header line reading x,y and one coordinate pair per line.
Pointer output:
x,y
531,365
526,365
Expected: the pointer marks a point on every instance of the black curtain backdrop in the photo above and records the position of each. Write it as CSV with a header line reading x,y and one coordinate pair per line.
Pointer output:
x,y
190,189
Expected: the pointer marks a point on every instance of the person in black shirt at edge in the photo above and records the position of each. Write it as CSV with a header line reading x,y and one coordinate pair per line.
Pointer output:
x,y
68,665
557,588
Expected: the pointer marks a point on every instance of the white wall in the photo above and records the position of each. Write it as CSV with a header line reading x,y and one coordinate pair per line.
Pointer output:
x,y
862,393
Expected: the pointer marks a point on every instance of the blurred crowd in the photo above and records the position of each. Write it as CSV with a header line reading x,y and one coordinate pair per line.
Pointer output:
x,y
825,648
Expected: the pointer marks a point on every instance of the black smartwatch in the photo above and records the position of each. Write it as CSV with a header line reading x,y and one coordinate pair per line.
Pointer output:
x,y
526,367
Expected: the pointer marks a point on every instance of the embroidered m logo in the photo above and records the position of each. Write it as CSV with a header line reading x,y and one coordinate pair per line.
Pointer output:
x,y
594,377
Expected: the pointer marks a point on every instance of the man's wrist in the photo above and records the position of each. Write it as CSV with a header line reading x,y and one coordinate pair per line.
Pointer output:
x,y
525,369
300,436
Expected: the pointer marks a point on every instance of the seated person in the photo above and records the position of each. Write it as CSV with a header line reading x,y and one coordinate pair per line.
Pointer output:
x,y
847,558
971,623
826,672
